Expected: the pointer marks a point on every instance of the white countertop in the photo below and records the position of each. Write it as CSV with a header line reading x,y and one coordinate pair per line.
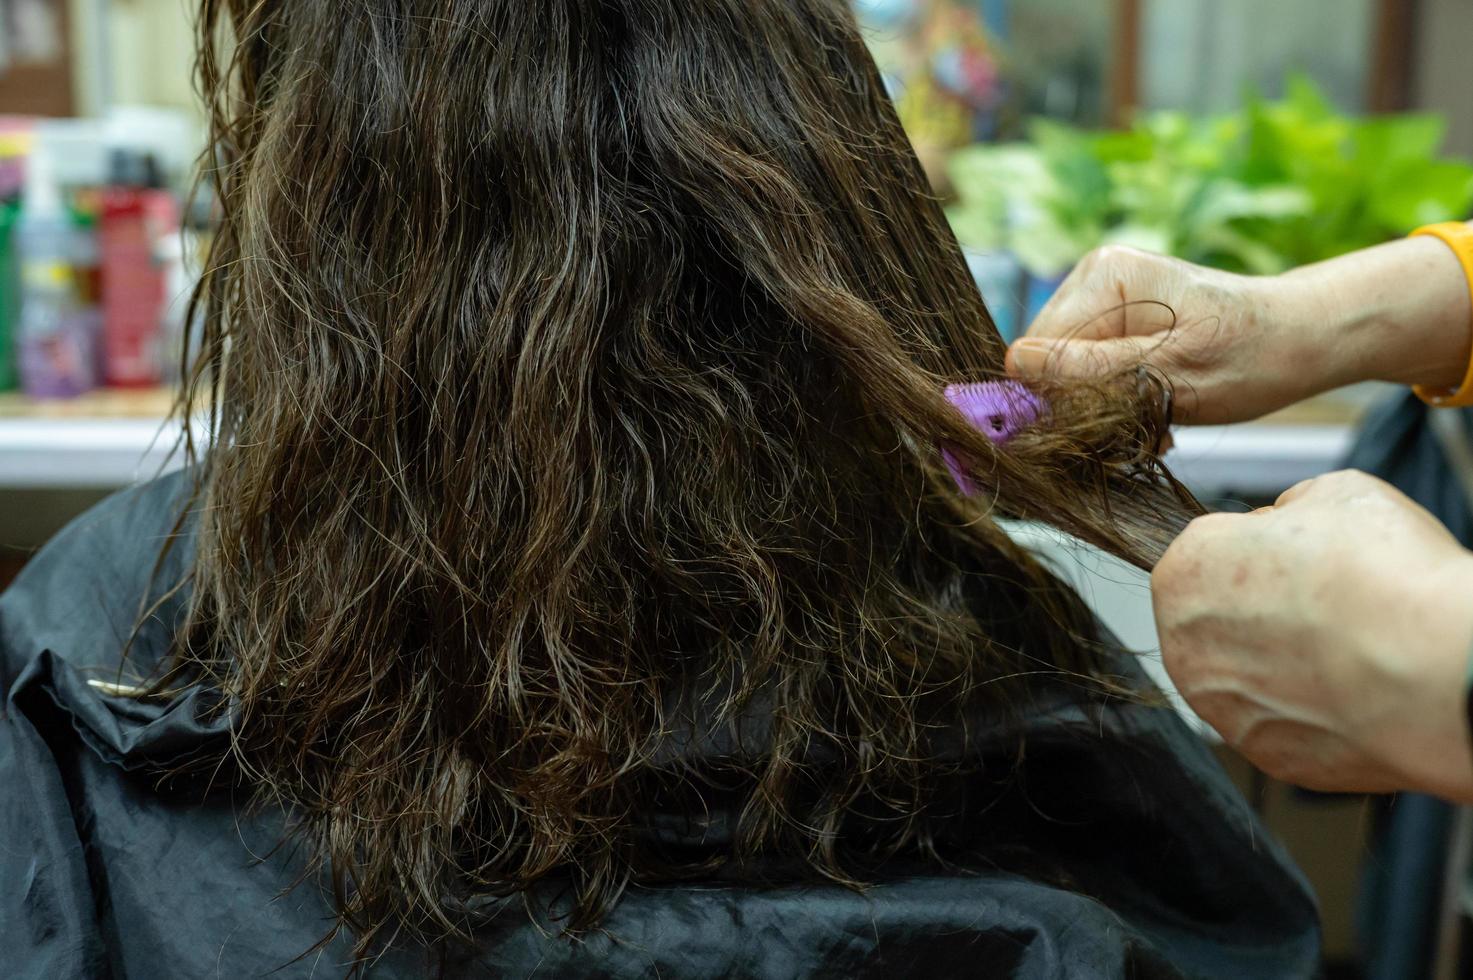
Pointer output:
x,y
97,453
1256,458
84,453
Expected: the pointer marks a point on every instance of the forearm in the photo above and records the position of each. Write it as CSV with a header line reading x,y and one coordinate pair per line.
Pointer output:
x,y
1398,312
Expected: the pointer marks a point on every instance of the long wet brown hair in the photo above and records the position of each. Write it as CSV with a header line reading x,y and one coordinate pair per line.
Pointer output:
x,y
576,372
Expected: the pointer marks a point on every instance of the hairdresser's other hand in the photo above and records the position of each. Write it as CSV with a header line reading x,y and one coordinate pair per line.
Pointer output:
x,y
1238,347
1327,638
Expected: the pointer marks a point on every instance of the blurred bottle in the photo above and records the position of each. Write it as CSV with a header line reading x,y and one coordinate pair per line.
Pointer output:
x,y
1000,279
14,146
9,293
176,253
887,15
86,211
188,254
56,333
137,213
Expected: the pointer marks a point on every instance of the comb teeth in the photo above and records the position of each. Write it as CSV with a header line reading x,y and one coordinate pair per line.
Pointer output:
x,y
997,409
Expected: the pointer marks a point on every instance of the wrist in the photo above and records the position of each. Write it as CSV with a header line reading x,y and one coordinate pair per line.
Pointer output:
x,y
1308,334
1398,312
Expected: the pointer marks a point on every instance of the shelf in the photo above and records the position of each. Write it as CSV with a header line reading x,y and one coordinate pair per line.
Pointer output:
x,y
105,452
145,404
83,453
111,439
102,441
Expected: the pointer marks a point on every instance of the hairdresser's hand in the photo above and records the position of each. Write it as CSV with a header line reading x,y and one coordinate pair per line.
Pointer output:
x,y
1238,347
1327,638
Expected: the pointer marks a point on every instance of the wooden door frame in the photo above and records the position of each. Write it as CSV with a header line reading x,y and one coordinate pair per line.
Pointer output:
x,y
1125,63
1392,49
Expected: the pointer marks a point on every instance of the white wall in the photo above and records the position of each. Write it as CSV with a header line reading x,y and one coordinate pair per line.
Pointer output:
x,y
134,52
1200,54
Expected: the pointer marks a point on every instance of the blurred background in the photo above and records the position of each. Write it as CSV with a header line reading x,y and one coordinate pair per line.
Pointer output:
x,y
1253,135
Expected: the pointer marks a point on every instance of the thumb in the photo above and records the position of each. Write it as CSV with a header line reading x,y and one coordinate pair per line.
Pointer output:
x,y
1037,357
1296,492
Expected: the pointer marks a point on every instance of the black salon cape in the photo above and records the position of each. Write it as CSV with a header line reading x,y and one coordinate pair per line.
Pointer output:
x,y
107,873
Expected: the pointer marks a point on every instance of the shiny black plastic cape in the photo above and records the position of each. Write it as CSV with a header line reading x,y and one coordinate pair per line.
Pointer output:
x,y
111,868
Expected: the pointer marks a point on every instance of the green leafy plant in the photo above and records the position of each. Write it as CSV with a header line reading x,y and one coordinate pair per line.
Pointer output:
x,y
1272,186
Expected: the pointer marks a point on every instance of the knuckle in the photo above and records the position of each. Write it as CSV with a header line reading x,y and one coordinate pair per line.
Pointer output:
x,y
1171,571
1168,569
1297,490
1177,658
1116,254
1104,259
1200,533
1274,757
1194,559
1354,480
1337,486
1276,765
1104,262
1224,712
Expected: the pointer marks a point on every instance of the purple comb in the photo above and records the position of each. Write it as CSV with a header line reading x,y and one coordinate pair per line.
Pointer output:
x,y
997,409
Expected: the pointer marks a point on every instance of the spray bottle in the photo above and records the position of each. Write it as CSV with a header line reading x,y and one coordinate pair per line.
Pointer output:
x,y
137,213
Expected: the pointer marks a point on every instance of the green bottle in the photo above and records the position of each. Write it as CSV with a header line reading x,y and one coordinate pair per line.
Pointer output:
x,y
9,294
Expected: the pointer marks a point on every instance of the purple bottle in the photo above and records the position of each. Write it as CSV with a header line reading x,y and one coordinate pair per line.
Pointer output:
x,y
56,334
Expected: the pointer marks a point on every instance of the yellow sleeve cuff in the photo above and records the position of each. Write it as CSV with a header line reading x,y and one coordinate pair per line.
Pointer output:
x,y
1458,237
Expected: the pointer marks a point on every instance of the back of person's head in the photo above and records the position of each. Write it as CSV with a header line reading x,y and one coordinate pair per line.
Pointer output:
x,y
577,369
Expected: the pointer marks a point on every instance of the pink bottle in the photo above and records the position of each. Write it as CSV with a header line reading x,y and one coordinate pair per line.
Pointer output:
x,y
136,214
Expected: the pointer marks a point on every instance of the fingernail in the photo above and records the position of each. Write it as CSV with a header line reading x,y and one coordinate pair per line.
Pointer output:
x,y
1030,356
